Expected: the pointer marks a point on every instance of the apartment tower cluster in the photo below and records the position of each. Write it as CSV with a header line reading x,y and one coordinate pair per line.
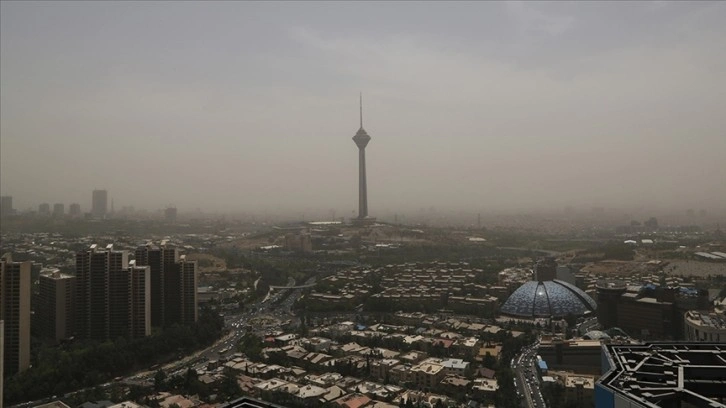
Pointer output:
x,y
122,298
113,295
110,296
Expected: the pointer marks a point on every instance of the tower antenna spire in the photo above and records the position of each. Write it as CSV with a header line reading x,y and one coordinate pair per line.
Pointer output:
x,y
361,110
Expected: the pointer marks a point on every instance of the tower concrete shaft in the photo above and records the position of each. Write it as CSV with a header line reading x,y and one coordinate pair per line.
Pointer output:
x,y
362,188
361,140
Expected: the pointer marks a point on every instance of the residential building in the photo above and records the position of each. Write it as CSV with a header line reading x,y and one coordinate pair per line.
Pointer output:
x,y
173,284
55,312
15,312
427,373
113,295
140,277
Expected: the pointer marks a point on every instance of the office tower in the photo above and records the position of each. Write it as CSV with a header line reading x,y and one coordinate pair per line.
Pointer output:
x,y
15,311
99,205
74,210
6,206
361,140
58,210
55,311
44,209
173,284
170,214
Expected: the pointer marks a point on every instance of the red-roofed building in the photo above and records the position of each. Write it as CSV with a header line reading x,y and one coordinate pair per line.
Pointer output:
x,y
353,401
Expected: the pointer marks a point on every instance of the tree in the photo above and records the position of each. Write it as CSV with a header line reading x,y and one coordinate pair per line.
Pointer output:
x,y
229,388
489,361
159,380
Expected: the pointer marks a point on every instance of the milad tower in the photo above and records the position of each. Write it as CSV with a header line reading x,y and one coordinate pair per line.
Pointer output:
x,y
361,140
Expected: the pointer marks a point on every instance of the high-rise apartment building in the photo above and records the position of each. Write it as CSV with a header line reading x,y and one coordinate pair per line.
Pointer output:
x,y
15,312
74,210
109,302
99,204
188,271
94,269
173,284
140,278
58,210
6,206
119,298
55,311
153,257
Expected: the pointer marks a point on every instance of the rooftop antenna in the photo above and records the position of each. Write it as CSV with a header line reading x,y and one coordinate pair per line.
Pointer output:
x,y
361,110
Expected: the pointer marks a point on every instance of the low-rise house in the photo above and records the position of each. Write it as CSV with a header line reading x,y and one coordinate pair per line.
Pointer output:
x,y
381,368
334,392
484,387
427,373
413,357
353,401
310,395
491,349
453,366
400,374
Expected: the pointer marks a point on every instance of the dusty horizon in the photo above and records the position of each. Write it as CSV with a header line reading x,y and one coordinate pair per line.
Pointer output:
x,y
472,107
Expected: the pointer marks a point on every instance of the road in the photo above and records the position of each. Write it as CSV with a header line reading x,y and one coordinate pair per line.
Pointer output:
x,y
527,379
265,316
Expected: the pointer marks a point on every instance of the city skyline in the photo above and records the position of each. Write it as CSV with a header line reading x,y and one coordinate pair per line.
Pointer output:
x,y
540,223
517,105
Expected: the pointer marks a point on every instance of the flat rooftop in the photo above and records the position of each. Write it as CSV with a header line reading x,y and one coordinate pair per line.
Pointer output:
x,y
667,374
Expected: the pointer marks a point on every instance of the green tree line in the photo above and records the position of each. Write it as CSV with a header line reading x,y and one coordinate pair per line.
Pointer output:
x,y
57,370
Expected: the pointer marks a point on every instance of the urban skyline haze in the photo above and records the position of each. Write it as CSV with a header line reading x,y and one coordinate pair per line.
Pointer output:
x,y
250,106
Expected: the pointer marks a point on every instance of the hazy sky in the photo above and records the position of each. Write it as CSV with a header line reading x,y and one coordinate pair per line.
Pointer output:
x,y
251,106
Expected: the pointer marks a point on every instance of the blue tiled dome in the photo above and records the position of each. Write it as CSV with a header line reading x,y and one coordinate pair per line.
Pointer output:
x,y
548,299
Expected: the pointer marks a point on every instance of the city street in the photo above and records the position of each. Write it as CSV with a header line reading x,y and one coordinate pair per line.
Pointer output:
x,y
527,379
